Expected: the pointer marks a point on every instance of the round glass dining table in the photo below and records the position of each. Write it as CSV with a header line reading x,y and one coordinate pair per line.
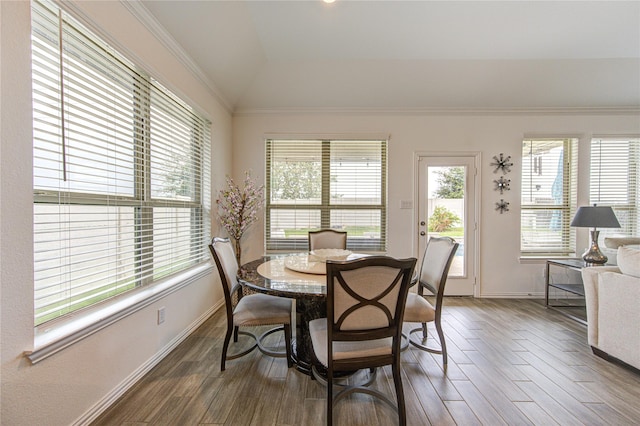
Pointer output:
x,y
293,276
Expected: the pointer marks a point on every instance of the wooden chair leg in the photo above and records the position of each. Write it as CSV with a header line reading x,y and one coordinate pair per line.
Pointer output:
x,y
329,398
397,380
225,346
443,343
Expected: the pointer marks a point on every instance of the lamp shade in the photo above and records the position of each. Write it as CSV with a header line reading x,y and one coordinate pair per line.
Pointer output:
x,y
595,217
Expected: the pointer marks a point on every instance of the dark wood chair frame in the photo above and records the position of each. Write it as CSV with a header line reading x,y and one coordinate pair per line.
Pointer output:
x,y
335,278
232,296
338,234
437,290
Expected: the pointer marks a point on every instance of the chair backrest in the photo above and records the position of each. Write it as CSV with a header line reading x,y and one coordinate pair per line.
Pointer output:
x,y
327,239
225,258
366,298
436,263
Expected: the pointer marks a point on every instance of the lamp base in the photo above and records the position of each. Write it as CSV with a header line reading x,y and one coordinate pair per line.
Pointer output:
x,y
593,255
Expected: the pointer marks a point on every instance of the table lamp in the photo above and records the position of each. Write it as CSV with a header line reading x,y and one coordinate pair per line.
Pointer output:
x,y
595,217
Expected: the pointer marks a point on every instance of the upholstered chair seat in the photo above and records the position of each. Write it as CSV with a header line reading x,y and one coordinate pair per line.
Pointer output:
x,y
363,329
262,309
345,350
418,309
249,310
432,278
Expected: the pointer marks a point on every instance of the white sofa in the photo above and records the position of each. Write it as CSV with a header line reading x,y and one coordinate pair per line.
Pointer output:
x,y
612,296
611,245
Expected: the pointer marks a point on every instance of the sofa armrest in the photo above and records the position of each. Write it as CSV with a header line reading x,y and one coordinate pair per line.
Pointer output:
x,y
590,283
615,242
618,316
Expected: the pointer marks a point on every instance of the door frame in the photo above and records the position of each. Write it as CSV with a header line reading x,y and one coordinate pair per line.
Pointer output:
x,y
477,161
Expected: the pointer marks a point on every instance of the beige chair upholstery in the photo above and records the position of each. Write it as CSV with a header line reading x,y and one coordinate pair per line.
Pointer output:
x,y
363,328
247,310
432,277
327,239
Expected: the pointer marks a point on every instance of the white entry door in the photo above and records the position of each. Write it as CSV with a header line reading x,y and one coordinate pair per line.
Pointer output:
x,y
447,207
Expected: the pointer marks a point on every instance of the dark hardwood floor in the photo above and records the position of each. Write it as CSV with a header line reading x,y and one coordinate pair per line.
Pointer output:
x,y
511,362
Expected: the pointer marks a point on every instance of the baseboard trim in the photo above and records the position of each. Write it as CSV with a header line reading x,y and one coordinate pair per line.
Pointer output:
x,y
101,406
602,354
512,295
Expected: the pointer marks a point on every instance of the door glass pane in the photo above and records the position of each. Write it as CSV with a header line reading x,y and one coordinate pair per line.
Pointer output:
x,y
446,209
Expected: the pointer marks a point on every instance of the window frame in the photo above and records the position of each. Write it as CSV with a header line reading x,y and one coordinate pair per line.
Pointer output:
x,y
325,207
566,208
149,285
604,182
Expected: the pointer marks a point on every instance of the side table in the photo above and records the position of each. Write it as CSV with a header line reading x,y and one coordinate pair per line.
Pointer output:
x,y
569,280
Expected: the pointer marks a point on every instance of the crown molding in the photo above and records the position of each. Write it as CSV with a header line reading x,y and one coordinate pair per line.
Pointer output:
x,y
142,14
242,112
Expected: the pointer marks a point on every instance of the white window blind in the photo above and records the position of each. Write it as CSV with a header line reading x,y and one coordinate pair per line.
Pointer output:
x,y
615,181
317,184
548,196
121,174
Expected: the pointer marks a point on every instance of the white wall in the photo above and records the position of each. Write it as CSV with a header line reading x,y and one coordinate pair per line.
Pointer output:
x,y
66,387
502,274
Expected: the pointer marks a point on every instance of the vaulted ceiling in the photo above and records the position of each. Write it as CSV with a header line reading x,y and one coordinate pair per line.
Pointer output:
x,y
397,55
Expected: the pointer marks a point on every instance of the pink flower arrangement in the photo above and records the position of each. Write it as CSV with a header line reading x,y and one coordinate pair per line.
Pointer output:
x,y
238,207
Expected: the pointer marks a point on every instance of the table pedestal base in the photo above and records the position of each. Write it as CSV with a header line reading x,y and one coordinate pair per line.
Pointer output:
x,y
302,351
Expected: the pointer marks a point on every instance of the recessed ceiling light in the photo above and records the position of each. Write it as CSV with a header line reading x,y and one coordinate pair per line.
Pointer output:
x,y
328,1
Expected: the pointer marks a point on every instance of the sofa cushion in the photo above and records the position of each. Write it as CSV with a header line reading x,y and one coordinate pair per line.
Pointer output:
x,y
615,242
629,261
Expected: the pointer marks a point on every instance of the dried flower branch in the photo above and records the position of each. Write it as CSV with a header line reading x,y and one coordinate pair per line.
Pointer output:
x,y
238,207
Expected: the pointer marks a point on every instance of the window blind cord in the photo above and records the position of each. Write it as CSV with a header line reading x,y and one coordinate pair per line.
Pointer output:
x,y
599,167
62,99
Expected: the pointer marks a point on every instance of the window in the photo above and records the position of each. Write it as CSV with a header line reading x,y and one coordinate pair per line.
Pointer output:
x,y
615,181
121,174
548,196
314,184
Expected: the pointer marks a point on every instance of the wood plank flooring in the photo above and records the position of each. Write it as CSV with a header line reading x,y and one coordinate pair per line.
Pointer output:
x,y
511,362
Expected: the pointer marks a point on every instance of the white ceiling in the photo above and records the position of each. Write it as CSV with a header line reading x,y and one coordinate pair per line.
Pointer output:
x,y
393,55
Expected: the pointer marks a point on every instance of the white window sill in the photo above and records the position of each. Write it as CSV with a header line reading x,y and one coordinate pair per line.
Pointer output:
x,y
56,335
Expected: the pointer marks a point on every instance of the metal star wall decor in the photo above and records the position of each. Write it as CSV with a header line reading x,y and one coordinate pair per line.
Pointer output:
x,y
502,184
502,163
502,206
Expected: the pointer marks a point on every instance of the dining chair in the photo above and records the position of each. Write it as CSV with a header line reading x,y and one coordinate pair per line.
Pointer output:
x,y
327,239
249,310
432,277
363,328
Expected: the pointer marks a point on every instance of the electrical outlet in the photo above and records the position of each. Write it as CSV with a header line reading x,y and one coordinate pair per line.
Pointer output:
x,y
161,315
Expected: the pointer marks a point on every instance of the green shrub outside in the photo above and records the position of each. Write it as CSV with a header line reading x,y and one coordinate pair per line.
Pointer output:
x,y
442,219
